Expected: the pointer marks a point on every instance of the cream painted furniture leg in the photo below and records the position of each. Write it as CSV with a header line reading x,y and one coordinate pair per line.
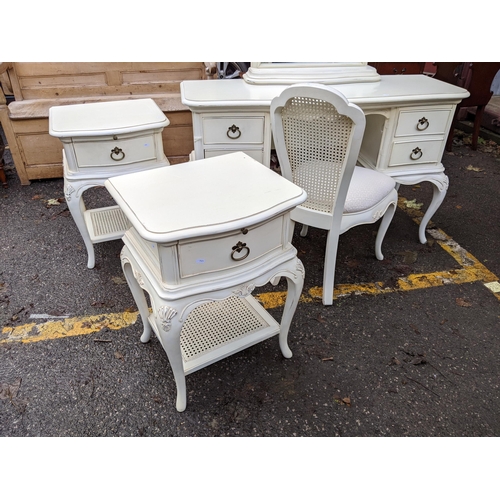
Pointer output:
x,y
96,225
77,208
295,283
136,285
170,337
384,226
440,184
440,187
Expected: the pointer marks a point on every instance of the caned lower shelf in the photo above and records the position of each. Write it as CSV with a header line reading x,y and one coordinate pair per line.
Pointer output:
x,y
106,224
218,329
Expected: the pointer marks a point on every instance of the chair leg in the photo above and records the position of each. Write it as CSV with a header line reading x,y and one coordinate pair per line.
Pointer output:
x,y
332,244
477,126
303,231
384,225
449,140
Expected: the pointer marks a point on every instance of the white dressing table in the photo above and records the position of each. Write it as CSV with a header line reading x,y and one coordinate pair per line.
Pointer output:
x,y
408,120
203,235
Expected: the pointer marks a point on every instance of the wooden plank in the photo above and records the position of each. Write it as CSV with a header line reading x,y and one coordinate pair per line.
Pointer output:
x,y
38,172
178,136
13,146
5,84
18,95
114,78
39,149
64,68
34,126
39,108
51,80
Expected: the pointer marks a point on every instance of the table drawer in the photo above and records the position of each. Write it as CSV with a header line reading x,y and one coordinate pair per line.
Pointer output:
x,y
256,154
423,122
230,250
233,129
109,152
415,152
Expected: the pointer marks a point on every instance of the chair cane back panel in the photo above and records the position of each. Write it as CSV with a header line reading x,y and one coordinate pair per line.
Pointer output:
x,y
317,141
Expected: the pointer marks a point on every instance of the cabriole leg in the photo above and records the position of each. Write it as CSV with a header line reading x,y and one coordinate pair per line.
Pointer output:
x,y
76,207
139,296
295,283
440,188
169,326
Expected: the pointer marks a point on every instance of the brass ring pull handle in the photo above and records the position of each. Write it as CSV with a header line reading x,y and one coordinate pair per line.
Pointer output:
x,y
416,154
233,129
238,248
117,152
423,123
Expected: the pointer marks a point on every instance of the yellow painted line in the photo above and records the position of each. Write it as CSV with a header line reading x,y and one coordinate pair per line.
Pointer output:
x,y
33,332
471,270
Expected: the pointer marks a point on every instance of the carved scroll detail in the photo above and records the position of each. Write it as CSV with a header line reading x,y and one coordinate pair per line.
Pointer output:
x,y
244,290
301,269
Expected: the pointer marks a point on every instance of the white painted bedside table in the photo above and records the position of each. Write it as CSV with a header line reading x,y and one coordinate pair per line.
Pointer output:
x,y
203,235
101,140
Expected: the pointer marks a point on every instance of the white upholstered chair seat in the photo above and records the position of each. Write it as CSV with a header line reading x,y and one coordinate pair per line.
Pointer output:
x,y
366,189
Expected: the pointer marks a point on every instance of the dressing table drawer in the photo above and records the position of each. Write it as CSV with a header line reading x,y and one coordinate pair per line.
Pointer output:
x,y
115,151
256,154
233,129
423,122
416,152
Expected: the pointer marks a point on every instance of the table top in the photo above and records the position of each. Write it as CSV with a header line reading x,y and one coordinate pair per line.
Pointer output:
x,y
203,197
105,118
390,90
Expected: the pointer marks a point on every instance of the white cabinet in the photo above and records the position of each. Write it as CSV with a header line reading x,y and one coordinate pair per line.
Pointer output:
x,y
203,236
101,140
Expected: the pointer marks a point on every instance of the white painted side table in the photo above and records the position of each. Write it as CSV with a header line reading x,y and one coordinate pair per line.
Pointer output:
x,y
101,140
203,236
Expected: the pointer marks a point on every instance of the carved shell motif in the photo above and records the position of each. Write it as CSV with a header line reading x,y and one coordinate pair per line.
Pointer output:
x,y
165,314
68,191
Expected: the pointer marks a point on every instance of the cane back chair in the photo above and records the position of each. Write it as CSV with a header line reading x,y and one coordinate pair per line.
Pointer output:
x,y
317,135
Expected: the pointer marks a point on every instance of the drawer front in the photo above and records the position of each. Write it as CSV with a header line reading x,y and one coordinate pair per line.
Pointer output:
x,y
115,153
233,130
423,122
229,250
256,154
416,152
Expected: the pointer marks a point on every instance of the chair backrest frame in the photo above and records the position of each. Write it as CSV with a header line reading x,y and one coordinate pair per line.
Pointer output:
x,y
350,146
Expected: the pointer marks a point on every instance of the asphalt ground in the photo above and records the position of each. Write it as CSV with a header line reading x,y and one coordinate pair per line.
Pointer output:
x,y
411,346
